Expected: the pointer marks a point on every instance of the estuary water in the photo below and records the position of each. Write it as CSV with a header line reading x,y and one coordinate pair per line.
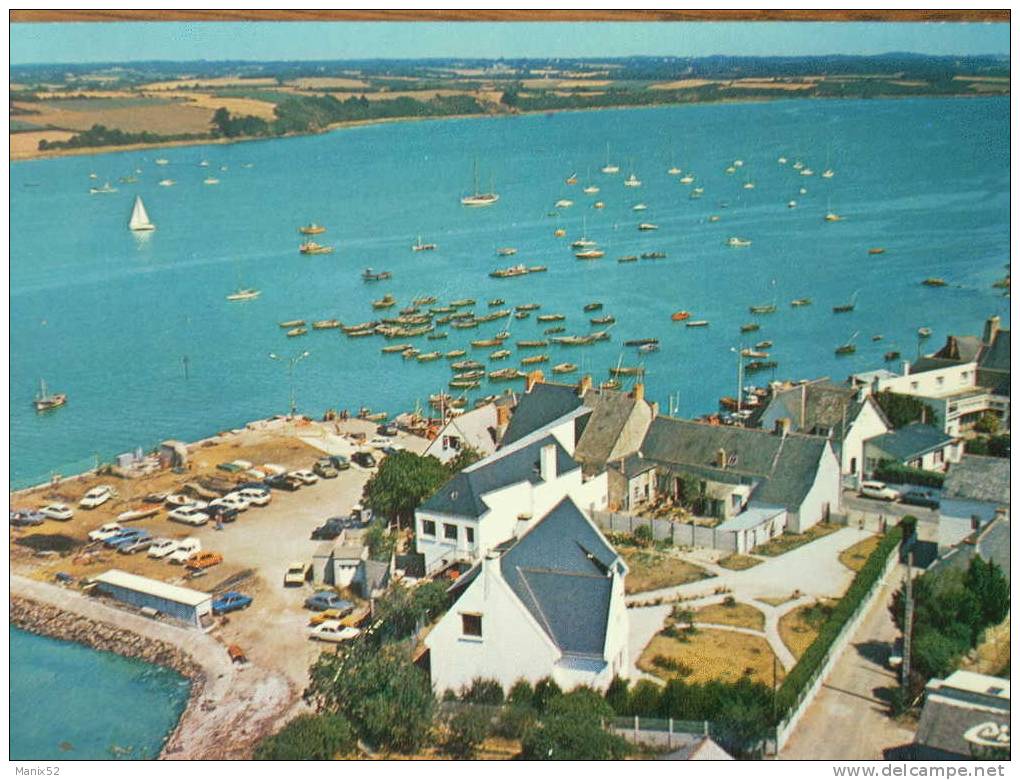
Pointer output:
x,y
137,331
69,702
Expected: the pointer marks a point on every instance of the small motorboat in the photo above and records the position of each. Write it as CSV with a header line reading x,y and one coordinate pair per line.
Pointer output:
x,y
647,226
640,342
736,241
420,246
648,348
294,332
246,294
532,359
923,333
311,230
653,255
564,368
500,354
589,254
800,302
934,281
296,323
697,323
680,316
592,306
368,275
877,250
312,248
749,327
627,259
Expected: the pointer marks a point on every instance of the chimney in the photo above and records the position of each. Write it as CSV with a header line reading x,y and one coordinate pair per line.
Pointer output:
x,y
906,367
547,463
502,416
783,427
584,386
638,393
991,328
655,409
720,458
533,379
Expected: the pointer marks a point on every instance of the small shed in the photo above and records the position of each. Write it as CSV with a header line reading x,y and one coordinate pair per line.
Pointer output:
x,y
173,454
189,606
755,525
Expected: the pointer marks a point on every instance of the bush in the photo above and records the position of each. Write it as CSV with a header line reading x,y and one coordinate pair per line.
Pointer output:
x,y
616,694
521,692
465,731
514,720
902,410
482,691
572,729
643,536
888,471
546,690
672,665
729,601
309,738
988,423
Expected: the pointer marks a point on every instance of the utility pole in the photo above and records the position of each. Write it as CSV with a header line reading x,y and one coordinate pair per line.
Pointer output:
x,y
291,362
740,375
908,622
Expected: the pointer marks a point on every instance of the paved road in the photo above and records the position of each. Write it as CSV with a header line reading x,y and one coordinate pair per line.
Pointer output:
x,y
890,509
847,719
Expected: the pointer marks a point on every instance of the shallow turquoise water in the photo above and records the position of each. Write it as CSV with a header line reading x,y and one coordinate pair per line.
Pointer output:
x,y
69,702
109,318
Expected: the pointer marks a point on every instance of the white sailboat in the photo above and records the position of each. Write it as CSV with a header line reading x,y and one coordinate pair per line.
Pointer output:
x,y
609,167
139,218
479,198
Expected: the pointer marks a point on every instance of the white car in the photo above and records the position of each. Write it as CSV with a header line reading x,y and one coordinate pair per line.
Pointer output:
x,y
57,512
306,476
378,442
232,501
161,548
333,631
254,496
189,515
98,496
879,490
185,550
104,532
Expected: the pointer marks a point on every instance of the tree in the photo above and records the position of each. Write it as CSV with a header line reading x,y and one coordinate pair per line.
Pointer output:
x,y
220,121
616,694
309,738
987,582
402,483
380,541
546,690
463,459
988,423
482,691
465,731
403,609
573,729
902,410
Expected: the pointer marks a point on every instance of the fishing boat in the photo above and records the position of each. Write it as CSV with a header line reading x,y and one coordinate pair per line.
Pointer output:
x,y
800,302
531,343
462,302
647,226
923,333
639,207
697,323
466,365
479,198
934,281
482,343
764,308
465,324
106,189
589,254
564,204
640,342
750,327
506,374
500,354
385,302
891,355
528,306
311,230
537,269
589,307
564,368
849,347
453,354
843,308
392,348
760,365
608,319
477,373
876,250
574,341
44,401
166,182
464,384
245,294
299,323
139,221
763,345
312,248
609,167
753,353
411,353
632,181
424,300
521,315
506,251
551,317
325,324
571,179
553,330
296,332
368,275
626,371
648,348
507,273
426,357
421,246
627,259
736,241
533,359
680,316
610,384
653,255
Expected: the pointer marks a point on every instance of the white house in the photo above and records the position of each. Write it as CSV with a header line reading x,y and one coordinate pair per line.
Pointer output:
x,y
498,498
917,446
479,430
547,604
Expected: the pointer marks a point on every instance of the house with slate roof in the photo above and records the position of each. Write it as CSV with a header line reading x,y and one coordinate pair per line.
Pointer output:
x,y
499,497
479,429
916,445
549,603
975,492
964,380
843,414
954,711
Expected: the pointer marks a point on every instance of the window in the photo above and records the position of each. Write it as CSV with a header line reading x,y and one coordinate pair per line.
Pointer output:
x,y
940,381
428,527
938,457
450,531
471,625
451,443
470,535
913,385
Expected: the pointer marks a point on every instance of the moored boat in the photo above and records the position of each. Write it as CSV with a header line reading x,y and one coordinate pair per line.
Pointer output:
x,y
800,302
325,324
532,359
697,323
592,307
312,248
653,255
296,332
626,371
934,281
680,316
368,275
311,230
551,317
245,294
292,323
589,254
44,400
564,368
749,327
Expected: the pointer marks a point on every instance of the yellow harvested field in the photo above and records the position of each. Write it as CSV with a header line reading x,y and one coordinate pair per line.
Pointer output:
x,y
910,83
856,556
799,627
225,81
682,84
764,84
235,105
164,119
562,83
428,94
741,615
87,93
27,144
994,79
328,82
713,654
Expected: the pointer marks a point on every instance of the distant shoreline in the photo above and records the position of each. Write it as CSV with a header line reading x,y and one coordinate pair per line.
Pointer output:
x,y
101,150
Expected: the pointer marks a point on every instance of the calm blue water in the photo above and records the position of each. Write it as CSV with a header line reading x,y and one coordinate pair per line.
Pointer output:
x,y
71,702
109,318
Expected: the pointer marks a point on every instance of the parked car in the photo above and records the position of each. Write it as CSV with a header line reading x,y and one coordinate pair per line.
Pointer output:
x,y
233,501
393,449
924,498
161,548
332,528
296,574
204,560
21,518
334,631
155,498
185,549
325,469
189,515
256,496
325,599
127,535
364,459
878,490
57,512
329,614
97,496
230,602
221,514
387,430
340,462
104,532
284,482
306,476
360,515
141,542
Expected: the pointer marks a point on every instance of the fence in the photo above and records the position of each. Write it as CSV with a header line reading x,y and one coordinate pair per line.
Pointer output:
x,y
659,732
677,534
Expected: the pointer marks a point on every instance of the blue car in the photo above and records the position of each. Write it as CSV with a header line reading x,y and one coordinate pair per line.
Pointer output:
x,y
326,599
127,535
230,602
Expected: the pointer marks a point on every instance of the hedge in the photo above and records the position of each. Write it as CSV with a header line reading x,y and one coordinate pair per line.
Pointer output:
x,y
803,672
890,471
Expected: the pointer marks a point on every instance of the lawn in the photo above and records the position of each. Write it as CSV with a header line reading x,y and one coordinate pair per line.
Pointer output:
x,y
856,556
738,562
799,627
786,542
710,654
651,569
741,615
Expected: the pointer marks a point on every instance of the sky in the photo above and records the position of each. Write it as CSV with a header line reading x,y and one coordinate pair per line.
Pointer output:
x,y
263,41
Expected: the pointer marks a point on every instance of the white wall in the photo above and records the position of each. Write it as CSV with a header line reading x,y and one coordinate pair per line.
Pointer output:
x,y
936,382
825,490
868,423
471,429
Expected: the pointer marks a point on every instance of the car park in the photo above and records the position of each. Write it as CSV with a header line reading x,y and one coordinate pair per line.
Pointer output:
x,y
185,550
324,469
230,601
21,518
923,498
256,496
296,574
329,614
189,515
57,512
203,560
326,599
878,490
232,501
97,496
104,532
364,459
334,631
161,548
306,476
138,544
284,482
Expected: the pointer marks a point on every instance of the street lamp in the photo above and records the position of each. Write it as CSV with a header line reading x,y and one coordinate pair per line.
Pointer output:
x,y
291,362
740,374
